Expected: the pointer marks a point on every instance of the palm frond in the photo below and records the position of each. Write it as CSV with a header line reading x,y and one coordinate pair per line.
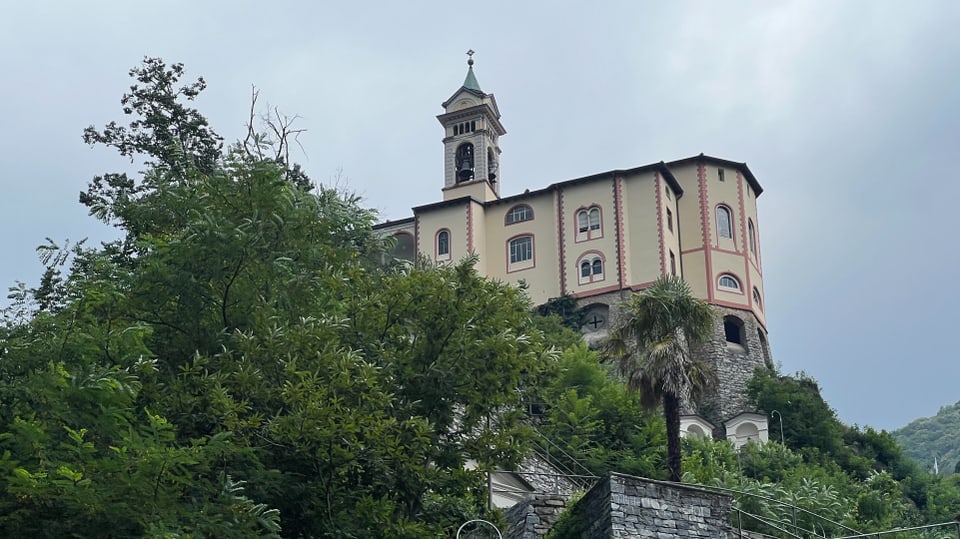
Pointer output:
x,y
651,343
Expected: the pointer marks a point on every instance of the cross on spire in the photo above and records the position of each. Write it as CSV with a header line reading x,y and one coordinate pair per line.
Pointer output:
x,y
470,54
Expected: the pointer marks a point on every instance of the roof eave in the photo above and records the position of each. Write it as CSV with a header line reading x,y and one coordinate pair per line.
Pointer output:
x,y
742,167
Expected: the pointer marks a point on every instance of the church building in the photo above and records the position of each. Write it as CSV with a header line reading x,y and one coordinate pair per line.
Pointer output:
x,y
602,237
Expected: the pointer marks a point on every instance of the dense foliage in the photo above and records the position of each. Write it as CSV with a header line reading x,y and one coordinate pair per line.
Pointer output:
x,y
246,361
237,365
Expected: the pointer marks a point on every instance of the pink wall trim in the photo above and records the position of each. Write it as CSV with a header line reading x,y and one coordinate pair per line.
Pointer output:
x,y
733,229
641,286
561,243
596,292
741,307
591,253
705,226
659,202
596,252
416,234
436,244
727,290
621,243
716,250
576,224
470,227
532,215
744,245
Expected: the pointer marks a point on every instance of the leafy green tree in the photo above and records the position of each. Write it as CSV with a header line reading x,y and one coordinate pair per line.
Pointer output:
x,y
944,500
236,359
651,345
564,307
809,424
592,415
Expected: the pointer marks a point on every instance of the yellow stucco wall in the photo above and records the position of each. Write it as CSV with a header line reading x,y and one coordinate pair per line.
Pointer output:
x,y
671,236
690,232
642,205
478,189
542,276
644,200
478,227
584,197
726,255
453,218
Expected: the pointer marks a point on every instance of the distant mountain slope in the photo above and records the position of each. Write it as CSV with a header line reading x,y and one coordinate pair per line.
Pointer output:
x,y
939,436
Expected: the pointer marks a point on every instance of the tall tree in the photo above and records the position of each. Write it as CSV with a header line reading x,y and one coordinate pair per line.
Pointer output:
x,y
651,345
236,358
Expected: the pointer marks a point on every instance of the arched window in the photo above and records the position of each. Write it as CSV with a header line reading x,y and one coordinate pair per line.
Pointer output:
x,y
591,268
752,237
724,222
728,282
464,162
588,224
519,214
521,253
694,431
756,298
404,249
733,331
443,244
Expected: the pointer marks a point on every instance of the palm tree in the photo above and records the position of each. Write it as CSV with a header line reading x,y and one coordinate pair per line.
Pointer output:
x,y
651,345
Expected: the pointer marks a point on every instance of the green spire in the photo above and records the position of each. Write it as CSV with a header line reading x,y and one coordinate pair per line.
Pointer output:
x,y
470,83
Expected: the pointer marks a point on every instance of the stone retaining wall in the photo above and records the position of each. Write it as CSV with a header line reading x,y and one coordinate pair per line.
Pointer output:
x,y
534,517
623,506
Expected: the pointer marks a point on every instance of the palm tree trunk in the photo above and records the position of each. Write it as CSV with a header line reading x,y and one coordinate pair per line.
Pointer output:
x,y
671,413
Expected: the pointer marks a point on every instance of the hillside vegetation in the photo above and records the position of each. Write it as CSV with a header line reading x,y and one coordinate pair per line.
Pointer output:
x,y
937,436
859,478
247,360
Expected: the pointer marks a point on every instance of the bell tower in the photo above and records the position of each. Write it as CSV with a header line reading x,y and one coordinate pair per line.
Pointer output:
x,y
471,142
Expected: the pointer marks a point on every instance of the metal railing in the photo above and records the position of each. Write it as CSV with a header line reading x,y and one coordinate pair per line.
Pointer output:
x,y
794,510
915,532
581,477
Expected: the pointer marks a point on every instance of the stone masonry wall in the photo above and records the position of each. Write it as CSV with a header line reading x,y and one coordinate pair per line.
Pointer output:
x,y
646,508
735,366
623,506
547,479
533,518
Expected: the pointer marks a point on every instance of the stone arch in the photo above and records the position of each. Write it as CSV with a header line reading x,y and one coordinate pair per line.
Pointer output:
x,y
465,162
748,431
596,317
734,331
764,348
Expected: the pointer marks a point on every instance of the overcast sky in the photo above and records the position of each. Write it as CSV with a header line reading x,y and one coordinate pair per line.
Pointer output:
x,y
848,113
